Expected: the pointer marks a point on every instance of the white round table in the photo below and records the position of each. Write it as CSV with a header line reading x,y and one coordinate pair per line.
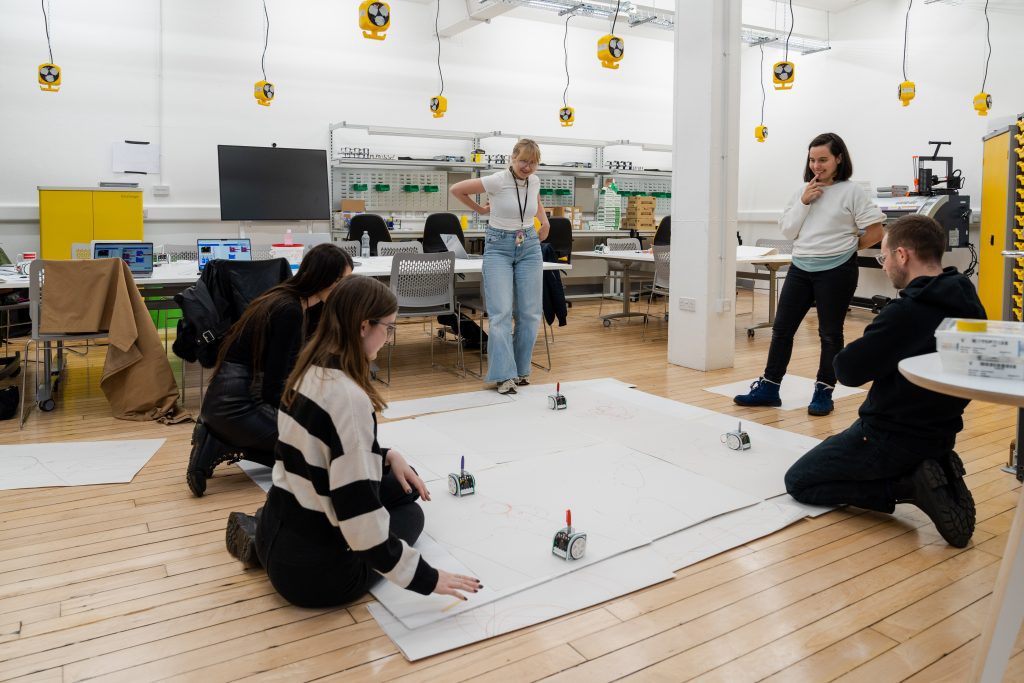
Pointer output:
x,y
1007,613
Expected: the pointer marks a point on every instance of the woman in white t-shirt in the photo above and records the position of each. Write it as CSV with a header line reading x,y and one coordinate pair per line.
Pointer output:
x,y
828,219
512,266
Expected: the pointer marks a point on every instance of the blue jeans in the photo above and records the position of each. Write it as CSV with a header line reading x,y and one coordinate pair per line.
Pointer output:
x,y
513,287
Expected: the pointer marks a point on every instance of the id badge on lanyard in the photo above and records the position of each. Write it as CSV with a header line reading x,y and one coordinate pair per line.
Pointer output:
x,y
520,234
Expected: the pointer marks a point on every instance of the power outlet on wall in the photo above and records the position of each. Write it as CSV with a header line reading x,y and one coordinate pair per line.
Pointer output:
x,y
687,304
161,190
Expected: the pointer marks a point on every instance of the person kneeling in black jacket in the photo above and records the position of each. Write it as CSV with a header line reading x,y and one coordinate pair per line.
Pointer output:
x,y
900,450
238,419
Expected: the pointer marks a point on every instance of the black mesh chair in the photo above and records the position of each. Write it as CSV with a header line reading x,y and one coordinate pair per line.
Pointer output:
x,y
560,238
664,234
370,223
438,224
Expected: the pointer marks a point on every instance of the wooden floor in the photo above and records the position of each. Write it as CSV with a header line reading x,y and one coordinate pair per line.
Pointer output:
x,y
131,582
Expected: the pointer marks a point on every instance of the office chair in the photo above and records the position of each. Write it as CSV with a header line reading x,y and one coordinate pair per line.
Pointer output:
x,y
615,268
664,233
438,224
659,287
560,238
349,246
404,247
424,285
372,224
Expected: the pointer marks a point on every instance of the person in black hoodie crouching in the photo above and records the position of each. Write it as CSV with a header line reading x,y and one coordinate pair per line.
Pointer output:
x,y
900,450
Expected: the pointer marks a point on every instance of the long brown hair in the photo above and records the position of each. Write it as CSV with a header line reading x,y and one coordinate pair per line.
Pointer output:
x,y
338,340
320,268
844,169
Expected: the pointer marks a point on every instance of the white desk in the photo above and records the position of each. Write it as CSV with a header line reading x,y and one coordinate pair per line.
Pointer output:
x,y
1007,611
630,260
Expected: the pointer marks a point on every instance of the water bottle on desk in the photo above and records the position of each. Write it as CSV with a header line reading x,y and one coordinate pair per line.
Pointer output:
x,y
364,245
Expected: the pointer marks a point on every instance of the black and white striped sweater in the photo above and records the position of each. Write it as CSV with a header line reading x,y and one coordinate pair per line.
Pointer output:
x,y
328,458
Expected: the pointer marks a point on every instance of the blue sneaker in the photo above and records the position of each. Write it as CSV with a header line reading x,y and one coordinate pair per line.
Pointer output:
x,y
763,392
821,403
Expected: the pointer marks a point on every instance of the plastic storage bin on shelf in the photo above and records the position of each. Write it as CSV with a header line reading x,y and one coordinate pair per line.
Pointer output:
x,y
980,348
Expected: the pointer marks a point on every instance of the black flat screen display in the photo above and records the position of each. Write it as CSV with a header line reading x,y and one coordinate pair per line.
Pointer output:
x,y
272,184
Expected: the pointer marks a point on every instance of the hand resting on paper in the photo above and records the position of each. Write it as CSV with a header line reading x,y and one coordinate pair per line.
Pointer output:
x,y
451,584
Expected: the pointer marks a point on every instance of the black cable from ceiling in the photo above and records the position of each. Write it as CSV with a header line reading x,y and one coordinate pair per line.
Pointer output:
x,y
565,49
906,28
266,40
437,16
615,17
791,21
988,38
761,45
46,24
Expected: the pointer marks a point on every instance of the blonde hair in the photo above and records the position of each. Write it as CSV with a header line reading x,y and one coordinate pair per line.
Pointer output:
x,y
526,149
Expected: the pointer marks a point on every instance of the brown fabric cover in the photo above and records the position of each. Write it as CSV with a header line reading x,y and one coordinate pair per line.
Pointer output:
x,y
81,297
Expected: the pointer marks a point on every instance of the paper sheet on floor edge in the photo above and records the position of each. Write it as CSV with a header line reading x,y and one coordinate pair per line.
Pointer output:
x,y
471,399
570,593
74,463
795,392
643,567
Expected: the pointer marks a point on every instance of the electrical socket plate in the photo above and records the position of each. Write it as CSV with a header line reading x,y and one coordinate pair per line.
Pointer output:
x,y
687,304
161,190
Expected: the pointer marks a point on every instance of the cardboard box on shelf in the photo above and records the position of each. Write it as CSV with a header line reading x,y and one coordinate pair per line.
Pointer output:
x,y
353,205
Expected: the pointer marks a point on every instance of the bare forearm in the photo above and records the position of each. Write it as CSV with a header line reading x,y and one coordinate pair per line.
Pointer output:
x,y
468,200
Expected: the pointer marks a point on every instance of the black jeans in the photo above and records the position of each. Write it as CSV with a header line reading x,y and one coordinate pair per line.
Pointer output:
x,y
859,467
305,556
829,291
235,413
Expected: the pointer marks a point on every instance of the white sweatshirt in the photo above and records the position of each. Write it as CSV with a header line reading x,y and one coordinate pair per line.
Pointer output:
x,y
829,225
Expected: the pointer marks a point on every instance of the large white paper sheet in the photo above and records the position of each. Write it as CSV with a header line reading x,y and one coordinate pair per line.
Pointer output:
x,y
795,391
590,585
441,404
74,463
699,542
502,534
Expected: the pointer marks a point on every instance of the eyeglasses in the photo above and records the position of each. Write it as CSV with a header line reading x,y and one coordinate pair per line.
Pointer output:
x,y
391,327
884,255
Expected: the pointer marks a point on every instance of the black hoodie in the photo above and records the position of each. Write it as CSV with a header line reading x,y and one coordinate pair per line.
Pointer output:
x,y
906,328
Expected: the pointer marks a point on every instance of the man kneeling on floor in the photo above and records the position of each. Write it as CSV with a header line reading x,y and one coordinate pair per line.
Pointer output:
x,y
900,450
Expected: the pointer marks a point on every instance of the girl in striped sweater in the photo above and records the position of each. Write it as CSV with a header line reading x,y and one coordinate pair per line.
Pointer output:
x,y
342,511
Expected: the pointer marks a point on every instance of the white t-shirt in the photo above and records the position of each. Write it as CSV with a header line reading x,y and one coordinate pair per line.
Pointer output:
x,y
829,225
501,191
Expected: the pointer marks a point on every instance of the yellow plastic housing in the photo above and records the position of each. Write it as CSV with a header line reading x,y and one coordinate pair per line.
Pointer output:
x,y
49,76
566,116
982,103
610,50
783,75
374,19
907,92
263,91
438,106
761,133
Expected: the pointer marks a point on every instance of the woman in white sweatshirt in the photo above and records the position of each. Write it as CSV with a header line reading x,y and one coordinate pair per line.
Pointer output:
x,y
828,219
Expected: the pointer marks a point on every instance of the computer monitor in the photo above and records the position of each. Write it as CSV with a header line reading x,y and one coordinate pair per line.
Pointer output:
x,y
234,249
138,255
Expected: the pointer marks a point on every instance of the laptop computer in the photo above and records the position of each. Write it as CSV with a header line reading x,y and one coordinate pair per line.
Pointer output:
x,y
455,246
138,255
234,249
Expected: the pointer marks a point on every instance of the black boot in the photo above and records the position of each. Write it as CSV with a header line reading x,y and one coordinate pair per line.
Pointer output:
x,y
934,493
207,452
240,539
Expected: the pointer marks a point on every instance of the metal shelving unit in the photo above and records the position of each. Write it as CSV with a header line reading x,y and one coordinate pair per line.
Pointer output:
x,y
359,178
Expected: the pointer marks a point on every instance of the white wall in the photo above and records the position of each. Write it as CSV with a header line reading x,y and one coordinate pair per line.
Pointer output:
x,y
506,75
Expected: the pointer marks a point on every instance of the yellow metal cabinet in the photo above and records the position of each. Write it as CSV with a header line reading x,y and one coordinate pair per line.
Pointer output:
x,y
68,215
994,186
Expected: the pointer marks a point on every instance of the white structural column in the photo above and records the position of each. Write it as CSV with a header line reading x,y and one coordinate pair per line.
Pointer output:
x,y
705,147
